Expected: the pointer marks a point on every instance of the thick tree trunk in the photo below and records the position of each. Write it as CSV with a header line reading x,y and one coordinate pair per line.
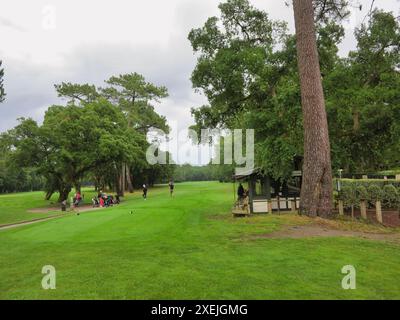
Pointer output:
x,y
118,185
128,179
77,186
317,189
64,192
48,195
123,177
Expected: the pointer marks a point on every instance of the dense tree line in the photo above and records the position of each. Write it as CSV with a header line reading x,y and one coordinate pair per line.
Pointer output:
x,y
210,172
15,179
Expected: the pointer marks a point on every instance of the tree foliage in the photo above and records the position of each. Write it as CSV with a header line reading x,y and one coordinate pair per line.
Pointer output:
x,y
363,99
99,132
247,68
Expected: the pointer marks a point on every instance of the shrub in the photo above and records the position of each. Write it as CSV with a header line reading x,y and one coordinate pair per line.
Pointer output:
x,y
349,196
361,193
368,182
391,197
375,193
355,191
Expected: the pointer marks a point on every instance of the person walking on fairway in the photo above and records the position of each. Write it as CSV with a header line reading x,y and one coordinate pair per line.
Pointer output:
x,y
171,187
144,192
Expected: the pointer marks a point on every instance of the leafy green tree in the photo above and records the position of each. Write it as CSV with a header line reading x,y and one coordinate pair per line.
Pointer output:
x,y
241,71
363,99
247,68
72,141
16,179
134,96
187,172
327,10
77,93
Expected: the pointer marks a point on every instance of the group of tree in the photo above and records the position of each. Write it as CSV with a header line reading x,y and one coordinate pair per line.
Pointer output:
x,y
300,96
257,75
210,172
16,179
98,136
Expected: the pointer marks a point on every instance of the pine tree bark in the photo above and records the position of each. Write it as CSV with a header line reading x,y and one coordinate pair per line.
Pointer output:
x,y
118,180
317,189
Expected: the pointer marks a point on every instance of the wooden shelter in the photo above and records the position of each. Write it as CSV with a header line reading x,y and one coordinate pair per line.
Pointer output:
x,y
267,195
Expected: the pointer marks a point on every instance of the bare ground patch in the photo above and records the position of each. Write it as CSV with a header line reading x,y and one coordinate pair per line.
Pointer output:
x,y
77,210
309,231
317,227
293,226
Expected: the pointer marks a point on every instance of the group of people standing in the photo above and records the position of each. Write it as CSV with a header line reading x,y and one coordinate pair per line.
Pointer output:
x,y
104,200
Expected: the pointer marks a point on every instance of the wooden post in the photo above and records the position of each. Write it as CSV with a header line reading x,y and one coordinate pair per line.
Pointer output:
x,y
293,205
251,193
397,176
279,203
341,210
266,187
363,209
269,205
378,207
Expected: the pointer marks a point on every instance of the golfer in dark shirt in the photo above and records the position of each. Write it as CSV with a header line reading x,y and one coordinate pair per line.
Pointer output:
x,y
171,188
240,192
144,192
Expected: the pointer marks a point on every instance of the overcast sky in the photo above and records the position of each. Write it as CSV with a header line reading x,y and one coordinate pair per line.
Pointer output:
x,y
47,42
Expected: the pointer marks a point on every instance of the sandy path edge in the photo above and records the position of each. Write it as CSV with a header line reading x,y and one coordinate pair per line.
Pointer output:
x,y
26,222
31,221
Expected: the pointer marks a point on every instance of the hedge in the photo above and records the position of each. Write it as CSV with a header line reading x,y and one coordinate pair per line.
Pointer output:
x,y
354,191
367,182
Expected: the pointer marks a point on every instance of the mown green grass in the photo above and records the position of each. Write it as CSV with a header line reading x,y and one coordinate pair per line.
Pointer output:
x,y
16,207
188,247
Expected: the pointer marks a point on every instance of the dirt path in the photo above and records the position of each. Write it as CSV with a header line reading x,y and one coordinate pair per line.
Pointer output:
x,y
24,223
309,231
50,209
46,210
